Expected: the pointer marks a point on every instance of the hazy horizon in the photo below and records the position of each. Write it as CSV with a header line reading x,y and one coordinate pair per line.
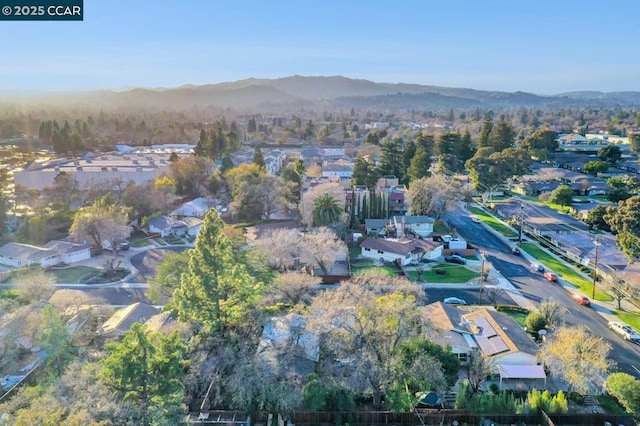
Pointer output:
x,y
542,47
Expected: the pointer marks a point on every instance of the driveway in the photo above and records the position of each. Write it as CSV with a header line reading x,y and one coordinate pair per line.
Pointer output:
x,y
146,262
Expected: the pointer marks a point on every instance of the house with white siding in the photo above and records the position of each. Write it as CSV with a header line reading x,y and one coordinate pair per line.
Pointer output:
x,y
20,255
402,251
419,225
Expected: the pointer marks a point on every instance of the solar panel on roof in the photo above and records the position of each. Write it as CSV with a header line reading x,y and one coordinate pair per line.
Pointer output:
x,y
487,329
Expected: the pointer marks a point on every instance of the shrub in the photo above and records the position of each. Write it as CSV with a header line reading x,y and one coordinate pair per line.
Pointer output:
x,y
576,397
535,322
626,389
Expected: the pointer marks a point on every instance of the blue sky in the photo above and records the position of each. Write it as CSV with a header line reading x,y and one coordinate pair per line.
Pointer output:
x,y
542,46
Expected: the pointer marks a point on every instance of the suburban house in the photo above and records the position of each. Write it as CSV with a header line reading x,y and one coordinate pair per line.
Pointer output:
x,y
419,225
167,226
339,170
397,202
19,255
193,225
376,227
194,208
498,337
122,320
400,250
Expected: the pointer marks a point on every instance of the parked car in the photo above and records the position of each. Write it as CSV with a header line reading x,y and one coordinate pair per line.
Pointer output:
x,y
455,301
582,300
625,331
551,276
475,219
537,267
455,259
515,250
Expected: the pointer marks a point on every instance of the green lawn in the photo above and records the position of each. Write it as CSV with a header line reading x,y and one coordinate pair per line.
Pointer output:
x,y
566,272
69,275
518,316
73,274
455,274
161,241
140,242
493,222
389,271
631,318
440,227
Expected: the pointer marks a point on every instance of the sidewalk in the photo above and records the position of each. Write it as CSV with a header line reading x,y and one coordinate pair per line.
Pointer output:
x,y
604,308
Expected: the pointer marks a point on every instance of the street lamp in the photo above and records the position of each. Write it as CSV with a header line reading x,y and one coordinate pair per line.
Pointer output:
x,y
595,269
482,253
521,223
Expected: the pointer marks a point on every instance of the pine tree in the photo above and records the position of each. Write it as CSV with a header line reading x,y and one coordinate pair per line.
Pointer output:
x,y
258,158
217,292
485,132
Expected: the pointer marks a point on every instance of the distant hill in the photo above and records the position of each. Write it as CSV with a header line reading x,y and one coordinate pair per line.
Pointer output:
x,y
337,91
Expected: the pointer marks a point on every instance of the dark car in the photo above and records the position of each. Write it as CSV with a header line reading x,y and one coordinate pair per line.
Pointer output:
x,y
455,259
515,250
537,267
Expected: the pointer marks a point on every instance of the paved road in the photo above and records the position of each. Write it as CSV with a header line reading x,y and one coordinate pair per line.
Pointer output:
x,y
535,288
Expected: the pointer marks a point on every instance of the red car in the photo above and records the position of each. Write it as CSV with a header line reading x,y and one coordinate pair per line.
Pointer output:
x,y
581,300
551,276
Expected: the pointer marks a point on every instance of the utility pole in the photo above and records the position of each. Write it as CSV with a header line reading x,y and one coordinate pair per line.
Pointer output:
x,y
481,278
595,269
521,224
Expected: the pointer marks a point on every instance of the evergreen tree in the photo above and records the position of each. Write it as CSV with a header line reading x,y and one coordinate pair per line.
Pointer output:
x,y
420,165
257,157
391,160
485,132
146,369
365,173
217,292
227,164
502,135
408,153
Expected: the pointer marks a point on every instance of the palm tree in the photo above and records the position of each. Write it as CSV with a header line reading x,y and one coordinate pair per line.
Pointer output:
x,y
326,210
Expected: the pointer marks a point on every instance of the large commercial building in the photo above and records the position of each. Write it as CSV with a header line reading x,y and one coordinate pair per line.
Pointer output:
x,y
139,165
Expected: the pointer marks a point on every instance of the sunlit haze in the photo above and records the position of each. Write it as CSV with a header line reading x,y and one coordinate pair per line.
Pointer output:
x,y
544,47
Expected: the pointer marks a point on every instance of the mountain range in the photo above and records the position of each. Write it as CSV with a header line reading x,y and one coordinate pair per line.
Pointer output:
x,y
342,92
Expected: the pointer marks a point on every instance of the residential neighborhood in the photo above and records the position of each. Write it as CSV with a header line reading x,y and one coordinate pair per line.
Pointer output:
x,y
290,214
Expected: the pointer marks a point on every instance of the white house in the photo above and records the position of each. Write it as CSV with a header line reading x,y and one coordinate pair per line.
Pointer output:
x,y
193,225
337,170
167,226
420,225
194,208
19,255
401,250
70,252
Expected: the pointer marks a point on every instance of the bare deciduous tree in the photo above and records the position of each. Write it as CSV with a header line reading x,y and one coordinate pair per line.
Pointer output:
x,y
363,326
322,247
35,285
293,286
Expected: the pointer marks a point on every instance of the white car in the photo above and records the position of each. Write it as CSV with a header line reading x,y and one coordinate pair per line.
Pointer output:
x,y
625,331
455,301
475,219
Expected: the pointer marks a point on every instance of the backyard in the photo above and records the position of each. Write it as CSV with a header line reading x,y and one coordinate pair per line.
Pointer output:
x,y
566,272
